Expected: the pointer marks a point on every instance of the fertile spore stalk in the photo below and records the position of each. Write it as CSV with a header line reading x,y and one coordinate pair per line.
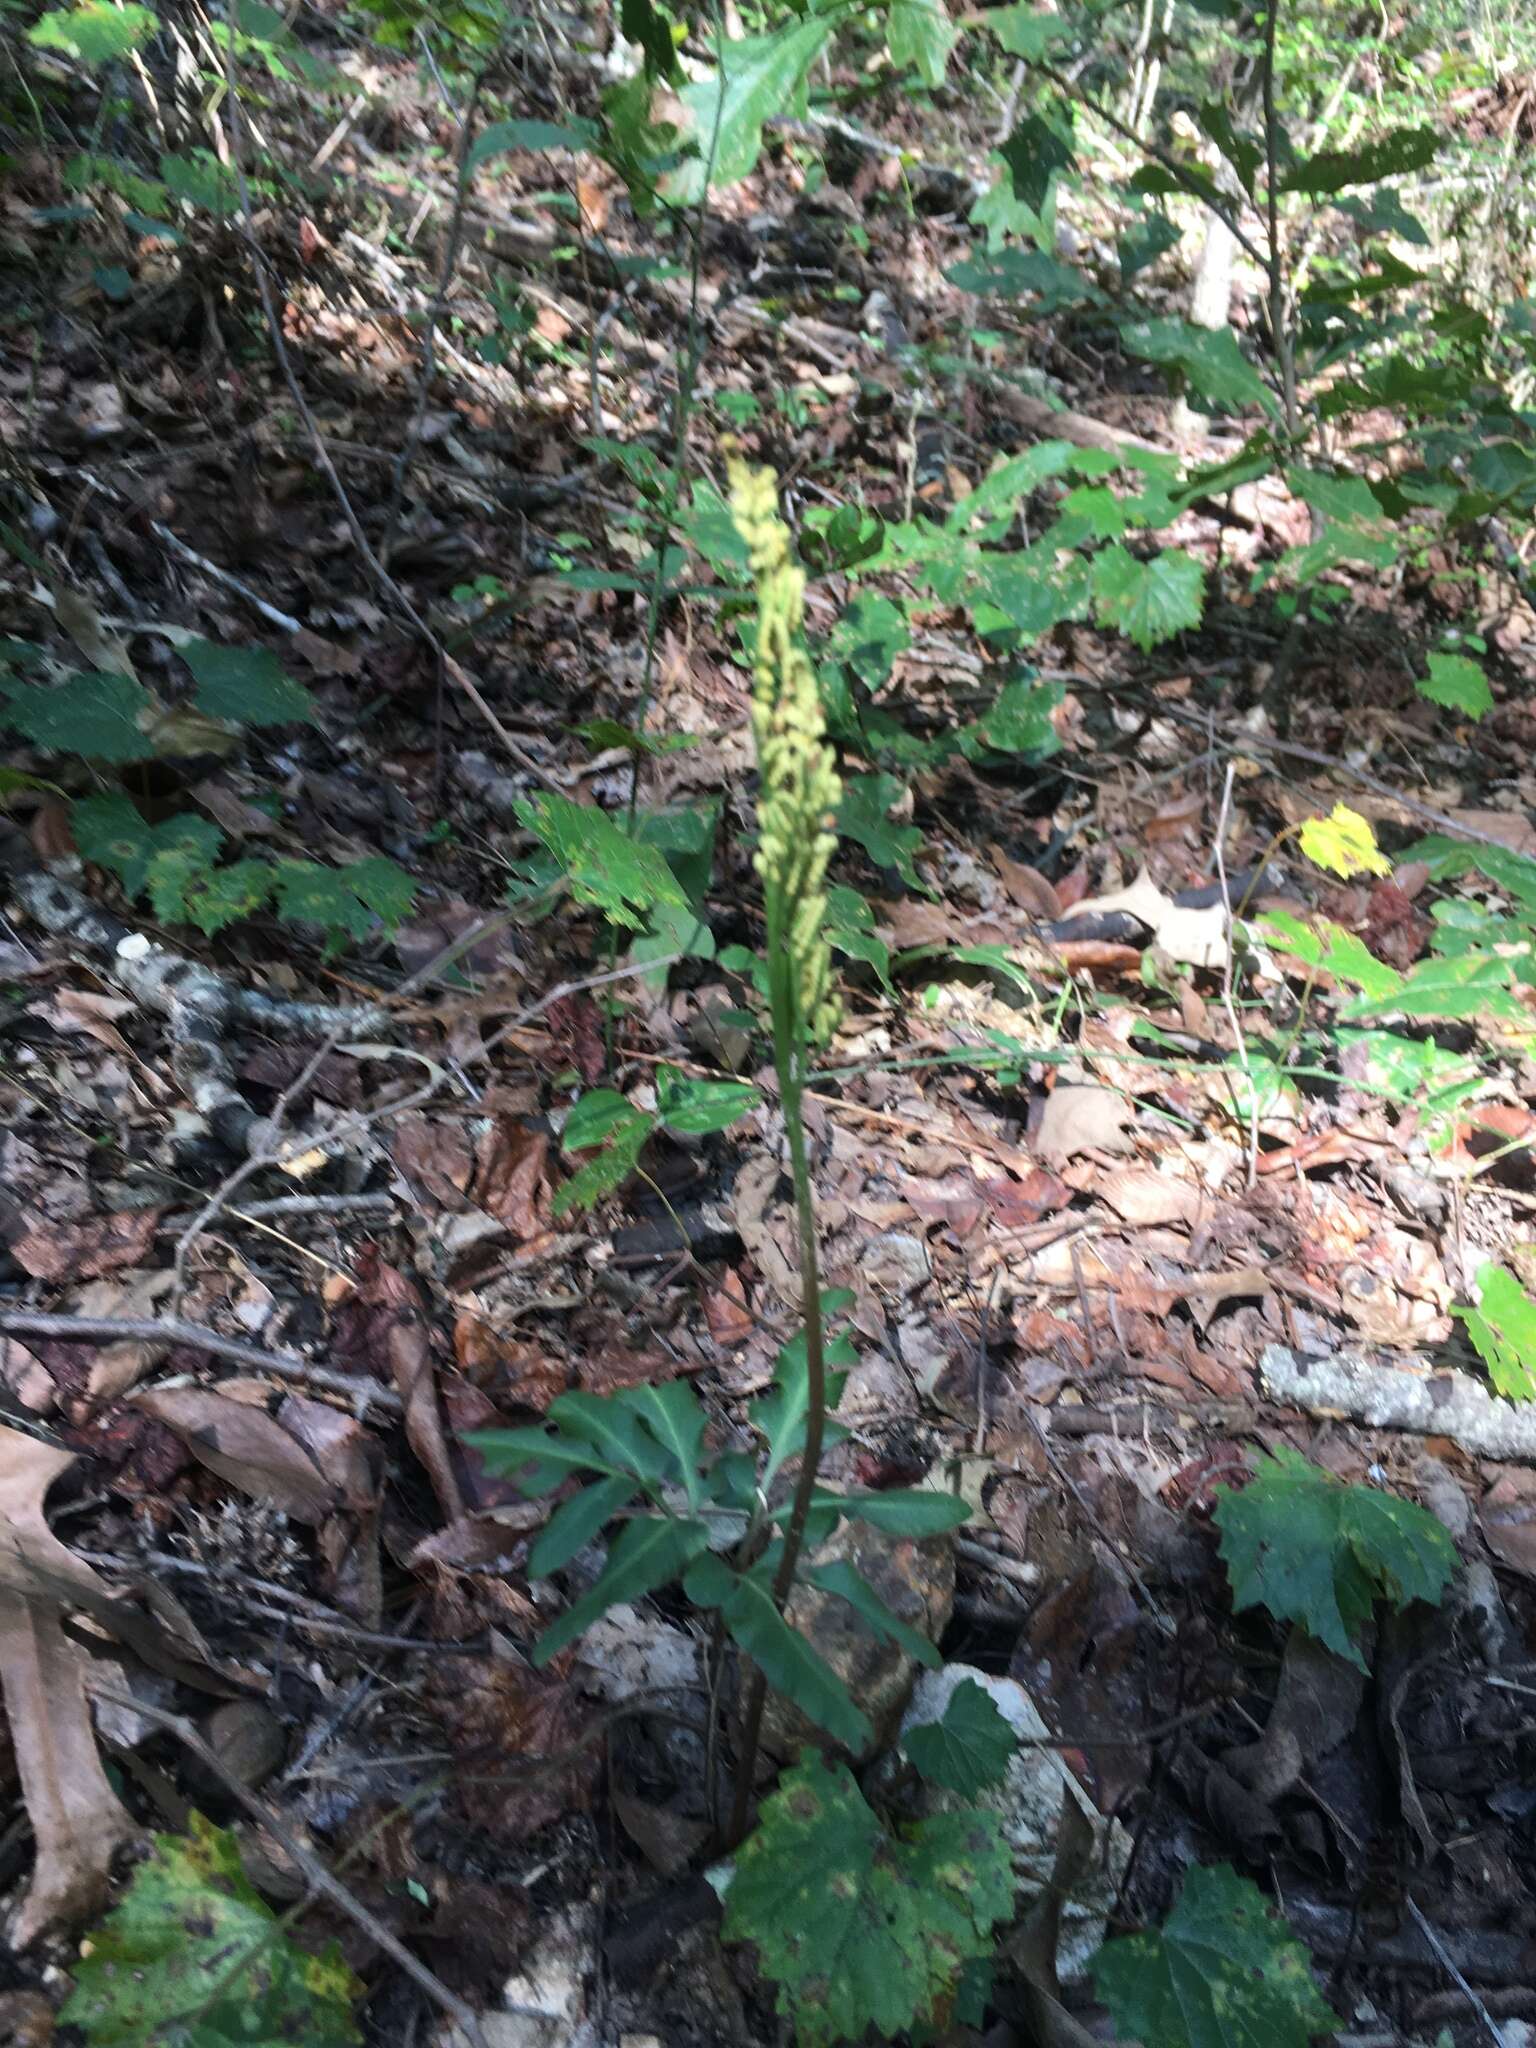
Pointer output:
x,y
797,800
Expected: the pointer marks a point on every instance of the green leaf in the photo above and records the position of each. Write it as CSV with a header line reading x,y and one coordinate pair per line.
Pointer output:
x,y
1470,985
222,895
202,182
1503,1327
1150,235
1314,1551
675,1419
1342,954
846,1582
1511,872
195,1958
499,136
596,1116
1224,1971
869,636
350,899
969,1749
862,816
648,1552
1148,601
507,1452
95,33
1335,170
90,714
860,1929
577,1521
1020,720
610,1424
1458,684
693,1107
648,26
603,866
921,35
902,1511
1037,153
1210,358
781,1653
245,685
606,1171
1026,33
112,832
781,1413
762,76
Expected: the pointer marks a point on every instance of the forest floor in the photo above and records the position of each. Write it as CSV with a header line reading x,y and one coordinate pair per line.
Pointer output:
x,y
1086,1288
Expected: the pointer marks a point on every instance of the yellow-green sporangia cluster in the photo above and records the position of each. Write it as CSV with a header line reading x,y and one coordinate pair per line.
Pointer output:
x,y
799,790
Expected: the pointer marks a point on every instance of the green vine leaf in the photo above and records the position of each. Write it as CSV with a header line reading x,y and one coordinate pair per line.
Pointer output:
x,y
1224,1971
969,1748
863,815
1458,683
114,833
856,1927
1317,1552
349,899
762,76
603,867
1503,1327
194,1958
100,716
1148,601
245,685
95,33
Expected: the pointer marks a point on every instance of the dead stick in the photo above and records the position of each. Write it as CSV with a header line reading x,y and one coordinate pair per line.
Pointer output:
x,y
287,1365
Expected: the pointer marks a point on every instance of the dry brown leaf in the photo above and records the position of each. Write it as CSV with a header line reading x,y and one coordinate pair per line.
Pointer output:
x,y
1197,937
511,1171
766,1226
385,1320
25,1377
726,1311
1140,1195
80,1251
1026,886
77,1822
244,1445
1082,1119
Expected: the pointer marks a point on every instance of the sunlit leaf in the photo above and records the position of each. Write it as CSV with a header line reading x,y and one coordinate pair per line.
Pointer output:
x,y
1317,1552
1344,844
193,1956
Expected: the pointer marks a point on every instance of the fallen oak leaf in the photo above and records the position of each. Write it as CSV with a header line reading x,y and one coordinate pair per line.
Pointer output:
x,y
77,1821
244,1445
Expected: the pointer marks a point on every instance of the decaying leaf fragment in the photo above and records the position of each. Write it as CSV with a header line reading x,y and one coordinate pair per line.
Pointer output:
x,y
77,1822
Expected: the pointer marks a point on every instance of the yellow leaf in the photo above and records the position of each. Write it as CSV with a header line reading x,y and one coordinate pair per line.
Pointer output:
x,y
1344,844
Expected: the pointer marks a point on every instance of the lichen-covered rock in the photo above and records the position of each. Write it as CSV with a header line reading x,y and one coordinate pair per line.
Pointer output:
x,y
1029,1802
916,1580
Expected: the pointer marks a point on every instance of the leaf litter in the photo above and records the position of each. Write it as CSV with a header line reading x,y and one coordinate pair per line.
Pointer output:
x,y
1132,1250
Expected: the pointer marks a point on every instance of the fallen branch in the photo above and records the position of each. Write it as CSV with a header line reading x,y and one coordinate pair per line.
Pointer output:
x,y
199,1005
1448,1404
168,1330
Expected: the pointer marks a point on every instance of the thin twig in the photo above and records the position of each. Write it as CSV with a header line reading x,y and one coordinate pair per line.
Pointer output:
x,y
269,612
439,304
284,1365
1228,1002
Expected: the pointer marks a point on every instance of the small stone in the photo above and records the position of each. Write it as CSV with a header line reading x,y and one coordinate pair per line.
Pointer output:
x,y
1029,1801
